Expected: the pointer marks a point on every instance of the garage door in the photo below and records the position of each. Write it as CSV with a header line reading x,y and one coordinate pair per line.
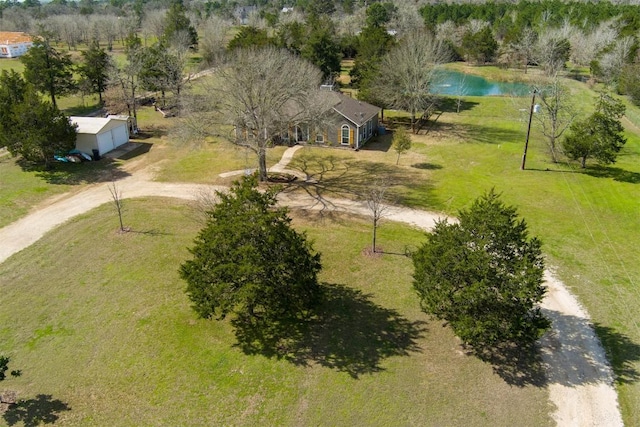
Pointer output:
x,y
105,142
120,135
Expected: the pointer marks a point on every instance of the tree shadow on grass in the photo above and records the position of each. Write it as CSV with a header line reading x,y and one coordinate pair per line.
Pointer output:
x,y
333,177
516,365
149,132
104,170
379,143
347,332
566,356
472,133
622,352
450,105
34,412
617,174
426,166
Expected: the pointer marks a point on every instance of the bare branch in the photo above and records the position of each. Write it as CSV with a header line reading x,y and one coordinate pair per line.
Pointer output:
x,y
376,197
116,195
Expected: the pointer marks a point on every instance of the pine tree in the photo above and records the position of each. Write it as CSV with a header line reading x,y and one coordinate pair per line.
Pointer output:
x,y
48,70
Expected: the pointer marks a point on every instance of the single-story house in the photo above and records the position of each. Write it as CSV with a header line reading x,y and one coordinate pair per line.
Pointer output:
x,y
101,133
14,44
352,124
243,13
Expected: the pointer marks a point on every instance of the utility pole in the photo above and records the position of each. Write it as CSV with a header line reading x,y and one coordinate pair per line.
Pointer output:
x,y
526,143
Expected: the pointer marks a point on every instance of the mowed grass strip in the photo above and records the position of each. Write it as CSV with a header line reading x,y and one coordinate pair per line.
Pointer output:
x,y
104,335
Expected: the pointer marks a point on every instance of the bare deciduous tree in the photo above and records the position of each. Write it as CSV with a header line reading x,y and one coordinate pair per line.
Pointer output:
x,y
116,196
153,24
212,42
292,16
125,79
407,17
613,61
349,25
476,25
552,51
17,19
376,198
449,31
257,96
526,47
125,26
107,26
66,27
586,46
556,114
408,71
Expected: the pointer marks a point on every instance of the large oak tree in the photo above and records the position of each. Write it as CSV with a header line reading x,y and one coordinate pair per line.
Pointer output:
x,y
256,97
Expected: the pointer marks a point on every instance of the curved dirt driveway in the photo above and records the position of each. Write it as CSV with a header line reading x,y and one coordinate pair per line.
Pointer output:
x,y
578,373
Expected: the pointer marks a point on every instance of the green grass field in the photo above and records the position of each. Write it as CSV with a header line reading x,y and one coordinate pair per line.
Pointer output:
x,y
11,64
104,335
24,186
144,346
587,219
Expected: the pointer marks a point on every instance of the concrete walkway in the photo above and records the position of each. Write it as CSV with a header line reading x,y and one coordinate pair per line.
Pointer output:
x,y
278,167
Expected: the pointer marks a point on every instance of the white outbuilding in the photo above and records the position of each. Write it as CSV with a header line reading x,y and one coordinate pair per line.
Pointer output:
x,y
14,44
101,133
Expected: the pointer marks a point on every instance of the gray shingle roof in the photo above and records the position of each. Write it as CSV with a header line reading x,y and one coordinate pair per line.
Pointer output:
x,y
358,112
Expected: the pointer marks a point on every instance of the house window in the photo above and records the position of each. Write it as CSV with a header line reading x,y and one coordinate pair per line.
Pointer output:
x,y
345,135
320,138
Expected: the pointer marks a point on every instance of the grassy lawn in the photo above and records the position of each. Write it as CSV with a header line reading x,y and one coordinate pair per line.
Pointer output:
x,y
23,187
587,219
120,315
204,162
104,336
11,64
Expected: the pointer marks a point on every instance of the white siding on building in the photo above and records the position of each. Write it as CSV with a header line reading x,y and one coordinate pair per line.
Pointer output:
x,y
102,134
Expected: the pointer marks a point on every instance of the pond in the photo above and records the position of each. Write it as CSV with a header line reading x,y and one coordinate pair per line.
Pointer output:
x,y
448,82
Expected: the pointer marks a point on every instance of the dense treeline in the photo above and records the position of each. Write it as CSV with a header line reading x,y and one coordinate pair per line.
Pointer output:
x,y
549,13
600,38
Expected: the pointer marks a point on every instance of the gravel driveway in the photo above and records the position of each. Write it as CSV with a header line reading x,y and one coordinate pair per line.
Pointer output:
x,y
579,377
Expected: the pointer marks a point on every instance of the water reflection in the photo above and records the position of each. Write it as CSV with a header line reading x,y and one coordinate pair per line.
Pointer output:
x,y
448,82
